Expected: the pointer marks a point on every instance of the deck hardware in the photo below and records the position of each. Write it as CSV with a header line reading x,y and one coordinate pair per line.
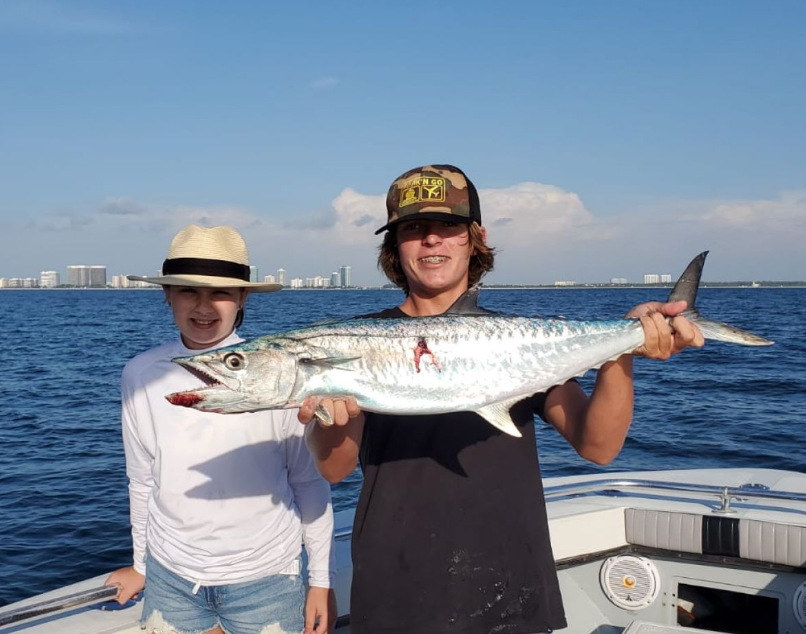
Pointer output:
x,y
724,502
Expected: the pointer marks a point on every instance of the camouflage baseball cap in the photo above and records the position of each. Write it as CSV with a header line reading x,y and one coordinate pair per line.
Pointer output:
x,y
432,192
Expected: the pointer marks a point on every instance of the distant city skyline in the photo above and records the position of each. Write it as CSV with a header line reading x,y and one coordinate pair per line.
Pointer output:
x,y
85,276
95,276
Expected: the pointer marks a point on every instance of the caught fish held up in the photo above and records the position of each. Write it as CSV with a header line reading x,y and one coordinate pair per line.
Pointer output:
x,y
464,360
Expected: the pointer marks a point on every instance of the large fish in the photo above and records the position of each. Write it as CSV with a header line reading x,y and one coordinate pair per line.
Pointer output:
x,y
465,360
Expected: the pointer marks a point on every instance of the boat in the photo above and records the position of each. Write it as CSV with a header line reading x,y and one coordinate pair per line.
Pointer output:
x,y
646,552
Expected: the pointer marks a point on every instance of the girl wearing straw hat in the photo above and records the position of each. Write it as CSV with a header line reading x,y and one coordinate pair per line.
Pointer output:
x,y
220,505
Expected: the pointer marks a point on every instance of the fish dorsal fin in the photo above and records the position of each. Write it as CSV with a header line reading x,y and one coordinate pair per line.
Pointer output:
x,y
498,416
467,304
689,282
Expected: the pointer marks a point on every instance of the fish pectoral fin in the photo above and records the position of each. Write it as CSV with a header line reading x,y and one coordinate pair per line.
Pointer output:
x,y
329,361
323,415
498,416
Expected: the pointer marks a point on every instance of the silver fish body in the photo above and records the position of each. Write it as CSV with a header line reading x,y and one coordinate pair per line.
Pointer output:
x,y
438,364
482,363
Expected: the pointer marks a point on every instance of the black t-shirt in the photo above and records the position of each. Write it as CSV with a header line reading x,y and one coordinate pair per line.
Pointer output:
x,y
450,532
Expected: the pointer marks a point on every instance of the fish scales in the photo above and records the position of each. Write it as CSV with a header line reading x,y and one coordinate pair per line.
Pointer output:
x,y
481,359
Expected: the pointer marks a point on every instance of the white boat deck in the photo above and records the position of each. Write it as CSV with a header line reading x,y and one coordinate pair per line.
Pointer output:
x,y
722,531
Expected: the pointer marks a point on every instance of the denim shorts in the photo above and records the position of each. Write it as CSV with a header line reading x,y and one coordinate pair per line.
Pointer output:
x,y
272,605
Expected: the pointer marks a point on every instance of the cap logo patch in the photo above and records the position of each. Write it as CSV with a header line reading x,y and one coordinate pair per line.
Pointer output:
x,y
423,189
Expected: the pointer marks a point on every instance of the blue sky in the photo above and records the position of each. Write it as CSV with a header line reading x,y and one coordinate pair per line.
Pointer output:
x,y
607,139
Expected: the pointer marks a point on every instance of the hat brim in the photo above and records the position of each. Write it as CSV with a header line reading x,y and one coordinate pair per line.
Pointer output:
x,y
207,281
427,215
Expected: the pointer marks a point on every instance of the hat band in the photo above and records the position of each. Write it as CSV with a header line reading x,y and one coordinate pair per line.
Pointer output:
x,y
202,266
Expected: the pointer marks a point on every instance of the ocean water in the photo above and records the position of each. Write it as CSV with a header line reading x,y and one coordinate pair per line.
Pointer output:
x,y
63,489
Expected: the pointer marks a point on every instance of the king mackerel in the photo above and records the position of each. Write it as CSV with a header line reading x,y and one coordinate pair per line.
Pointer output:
x,y
464,360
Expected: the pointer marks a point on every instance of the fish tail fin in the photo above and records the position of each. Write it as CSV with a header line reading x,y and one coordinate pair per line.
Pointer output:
x,y
725,332
686,289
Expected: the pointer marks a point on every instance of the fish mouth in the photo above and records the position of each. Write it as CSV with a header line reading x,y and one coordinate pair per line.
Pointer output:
x,y
210,398
211,379
185,399
215,389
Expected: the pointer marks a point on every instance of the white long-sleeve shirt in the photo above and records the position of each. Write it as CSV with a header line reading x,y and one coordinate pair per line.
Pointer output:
x,y
219,498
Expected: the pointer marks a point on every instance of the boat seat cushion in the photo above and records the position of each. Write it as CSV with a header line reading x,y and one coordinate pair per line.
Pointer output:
x,y
769,542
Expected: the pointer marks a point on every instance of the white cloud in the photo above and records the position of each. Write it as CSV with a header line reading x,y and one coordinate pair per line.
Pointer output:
x,y
542,233
358,216
523,213
789,208
324,83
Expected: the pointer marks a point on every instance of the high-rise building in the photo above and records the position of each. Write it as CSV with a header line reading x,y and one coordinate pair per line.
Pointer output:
x,y
651,278
335,279
268,279
121,281
281,277
22,282
254,274
48,279
666,278
97,276
78,275
317,282
296,282
344,274
83,275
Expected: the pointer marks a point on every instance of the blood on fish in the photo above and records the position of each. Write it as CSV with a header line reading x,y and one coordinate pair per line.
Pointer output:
x,y
419,350
185,399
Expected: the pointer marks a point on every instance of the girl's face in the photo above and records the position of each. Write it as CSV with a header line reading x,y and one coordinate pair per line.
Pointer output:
x,y
435,256
204,316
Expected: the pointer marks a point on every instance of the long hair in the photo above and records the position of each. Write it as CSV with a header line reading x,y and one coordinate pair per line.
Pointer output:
x,y
481,261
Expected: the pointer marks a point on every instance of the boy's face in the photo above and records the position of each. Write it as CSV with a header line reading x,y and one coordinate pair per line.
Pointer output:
x,y
435,256
204,316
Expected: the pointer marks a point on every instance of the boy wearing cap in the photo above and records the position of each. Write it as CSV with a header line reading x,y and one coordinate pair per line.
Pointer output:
x,y
450,531
219,505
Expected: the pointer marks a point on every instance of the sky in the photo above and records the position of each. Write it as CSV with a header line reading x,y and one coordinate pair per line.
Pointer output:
x,y
606,138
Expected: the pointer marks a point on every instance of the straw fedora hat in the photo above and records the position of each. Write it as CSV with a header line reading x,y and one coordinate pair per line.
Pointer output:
x,y
207,256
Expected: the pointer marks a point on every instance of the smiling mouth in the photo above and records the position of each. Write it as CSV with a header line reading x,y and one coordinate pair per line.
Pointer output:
x,y
434,259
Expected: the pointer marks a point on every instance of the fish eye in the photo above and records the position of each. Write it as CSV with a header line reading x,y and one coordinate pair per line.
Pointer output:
x,y
235,361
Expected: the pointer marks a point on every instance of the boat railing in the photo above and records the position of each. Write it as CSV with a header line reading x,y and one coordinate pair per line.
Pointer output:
x,y
77,599
724,494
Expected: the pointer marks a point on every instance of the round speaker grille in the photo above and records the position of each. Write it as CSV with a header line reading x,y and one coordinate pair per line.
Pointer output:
x,y
630,582
799,605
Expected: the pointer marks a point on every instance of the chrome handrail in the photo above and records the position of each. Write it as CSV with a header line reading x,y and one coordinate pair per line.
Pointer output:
x,y
616,485
84,598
